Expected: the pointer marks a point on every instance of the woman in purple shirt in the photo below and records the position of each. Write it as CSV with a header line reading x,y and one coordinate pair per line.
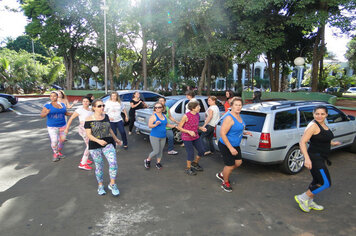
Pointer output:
x,y
189,126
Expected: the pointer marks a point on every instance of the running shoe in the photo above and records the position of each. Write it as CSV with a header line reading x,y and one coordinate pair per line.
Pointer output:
x,y
114,190
89,162
125,147
314,206
159,166
172,152
207,153
55,157
85,167
303,204
147,164
220,177
226,186
197,167
60,155
190,171
101,190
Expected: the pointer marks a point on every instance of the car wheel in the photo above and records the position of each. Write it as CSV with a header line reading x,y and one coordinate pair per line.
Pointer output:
x,y
177,136
353,146
294,161
2,109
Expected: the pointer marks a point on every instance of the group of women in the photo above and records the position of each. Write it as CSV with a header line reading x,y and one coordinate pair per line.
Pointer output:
x,y
98,125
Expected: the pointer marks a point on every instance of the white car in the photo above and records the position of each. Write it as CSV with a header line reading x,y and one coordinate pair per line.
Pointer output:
x,y
352,90
4,104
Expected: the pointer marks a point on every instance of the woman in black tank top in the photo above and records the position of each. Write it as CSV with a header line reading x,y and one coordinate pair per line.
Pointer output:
x,y
319,135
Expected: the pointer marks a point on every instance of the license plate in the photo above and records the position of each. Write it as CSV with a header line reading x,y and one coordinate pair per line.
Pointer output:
x,y
141,119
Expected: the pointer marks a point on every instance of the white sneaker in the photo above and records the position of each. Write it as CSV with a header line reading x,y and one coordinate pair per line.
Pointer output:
x,y
172,152
303,204
314,206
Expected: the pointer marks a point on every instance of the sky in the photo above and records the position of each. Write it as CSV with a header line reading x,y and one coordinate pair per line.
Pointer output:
x,y
12,24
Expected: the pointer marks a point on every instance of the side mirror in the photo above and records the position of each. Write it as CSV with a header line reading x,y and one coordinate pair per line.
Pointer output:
x,y
351,117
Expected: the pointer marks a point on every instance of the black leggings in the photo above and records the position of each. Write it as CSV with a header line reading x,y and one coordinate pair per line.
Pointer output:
x,y
131,121
320,173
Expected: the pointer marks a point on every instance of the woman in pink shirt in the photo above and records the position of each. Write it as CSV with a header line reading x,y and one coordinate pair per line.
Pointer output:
x,y
189,126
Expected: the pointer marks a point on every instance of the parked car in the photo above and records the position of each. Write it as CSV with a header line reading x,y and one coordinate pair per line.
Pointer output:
x,y
4,104
148,97
177,106
56,87
277,127
11,98
352,90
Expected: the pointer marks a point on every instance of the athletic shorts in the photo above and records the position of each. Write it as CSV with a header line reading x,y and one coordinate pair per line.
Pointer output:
x,y
229,159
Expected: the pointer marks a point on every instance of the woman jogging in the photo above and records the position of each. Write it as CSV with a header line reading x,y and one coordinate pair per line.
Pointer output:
x,y
320,136
82,113
189,126
212,118
101,144
113,109
169,131
135,104
62,98
157,123
56,124
231,133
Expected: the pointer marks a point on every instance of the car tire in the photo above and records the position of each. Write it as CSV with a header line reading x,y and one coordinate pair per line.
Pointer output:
x,y
177,136
293,162
2,108
352,148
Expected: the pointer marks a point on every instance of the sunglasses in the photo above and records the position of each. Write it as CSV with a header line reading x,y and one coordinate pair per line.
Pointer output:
x,y
158,107
100,106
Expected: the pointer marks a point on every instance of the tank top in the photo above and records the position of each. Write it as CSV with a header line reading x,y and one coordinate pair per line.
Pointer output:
x,y
56,116
160,130
234,135
133,110
321,142
192,124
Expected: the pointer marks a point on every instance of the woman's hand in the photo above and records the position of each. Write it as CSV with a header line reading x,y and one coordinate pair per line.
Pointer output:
x,y
248,133
203,129
66,131
335,143
157,123
102,142
75,101
233,151
119,142
307,163
191,133
126,119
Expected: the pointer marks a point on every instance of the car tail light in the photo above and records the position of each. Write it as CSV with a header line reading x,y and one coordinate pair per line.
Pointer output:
x,y
215,132
265,141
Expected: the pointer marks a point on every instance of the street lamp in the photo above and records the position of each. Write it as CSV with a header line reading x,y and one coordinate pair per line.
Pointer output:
x,y
299,62
105,8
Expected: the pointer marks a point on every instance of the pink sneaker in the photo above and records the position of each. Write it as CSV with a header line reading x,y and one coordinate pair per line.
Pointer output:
x,y
55,157
89,162
85,167
60,155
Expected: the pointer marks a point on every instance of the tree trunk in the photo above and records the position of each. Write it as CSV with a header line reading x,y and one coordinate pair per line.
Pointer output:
x,y
173,64
144,59
110,74
239,79
276,73
253,75
203,75
315,64
248,73
208,77
321,56
69,61
270,71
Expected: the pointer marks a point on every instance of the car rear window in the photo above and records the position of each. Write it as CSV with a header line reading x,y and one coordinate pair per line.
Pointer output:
x,y
285,120
305,116
254,120
170,102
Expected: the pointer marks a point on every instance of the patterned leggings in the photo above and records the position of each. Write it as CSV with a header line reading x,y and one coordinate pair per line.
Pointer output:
x,y
82,133
57,137
97,154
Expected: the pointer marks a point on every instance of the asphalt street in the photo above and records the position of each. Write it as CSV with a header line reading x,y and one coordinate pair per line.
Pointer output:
x,y
39,197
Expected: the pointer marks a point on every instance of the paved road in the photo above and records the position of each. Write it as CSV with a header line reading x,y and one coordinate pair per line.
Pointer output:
x,y
39,197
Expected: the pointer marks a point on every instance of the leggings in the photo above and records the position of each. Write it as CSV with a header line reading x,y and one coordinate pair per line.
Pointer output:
x,y
98,155
170,138
320,173
82,133
157,146
132,118
189,147
207,138
57,137
119,126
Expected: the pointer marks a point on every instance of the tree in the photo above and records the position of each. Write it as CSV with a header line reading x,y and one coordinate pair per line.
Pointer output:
x,y
351,53
25,42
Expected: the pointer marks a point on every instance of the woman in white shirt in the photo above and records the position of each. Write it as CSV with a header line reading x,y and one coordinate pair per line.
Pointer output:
x,y
113,108
82,113
212,118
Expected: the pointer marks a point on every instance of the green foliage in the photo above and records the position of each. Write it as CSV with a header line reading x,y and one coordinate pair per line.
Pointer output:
x,y
351,53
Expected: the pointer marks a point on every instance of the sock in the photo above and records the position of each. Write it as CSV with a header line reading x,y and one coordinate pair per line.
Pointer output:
x,y
304,196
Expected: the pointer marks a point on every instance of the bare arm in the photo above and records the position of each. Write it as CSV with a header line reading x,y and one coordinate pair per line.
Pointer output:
x,y
171,118
74,115
311,129
118,141
226,126
44,112
151,121
208,119
181,129
92,138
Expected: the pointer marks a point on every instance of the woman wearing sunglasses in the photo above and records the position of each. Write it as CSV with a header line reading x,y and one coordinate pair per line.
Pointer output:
x,y
157,123
101,144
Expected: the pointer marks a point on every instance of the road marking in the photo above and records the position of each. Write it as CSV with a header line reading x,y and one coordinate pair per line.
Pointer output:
x,y
17,112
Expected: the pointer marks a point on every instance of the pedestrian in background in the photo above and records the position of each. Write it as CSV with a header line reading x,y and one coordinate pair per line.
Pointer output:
x,y
56,124
169,131
229,95
158,123
319,137
190,95
212,118
101,144
189,126
135,104
114,108
62,98
231,133
82,112
257,97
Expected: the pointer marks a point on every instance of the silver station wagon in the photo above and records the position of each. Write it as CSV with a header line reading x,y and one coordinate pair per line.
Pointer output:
x,y
177,106
277,127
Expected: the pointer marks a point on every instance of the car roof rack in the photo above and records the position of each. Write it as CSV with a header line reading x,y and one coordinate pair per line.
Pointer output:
x,y
297,103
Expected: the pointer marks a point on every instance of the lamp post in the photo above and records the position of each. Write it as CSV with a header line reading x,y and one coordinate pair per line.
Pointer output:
x,y
299,62
105,8
95,70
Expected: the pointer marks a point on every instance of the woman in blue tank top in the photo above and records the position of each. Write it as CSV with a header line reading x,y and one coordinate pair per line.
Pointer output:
x,y
231,133
157,123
